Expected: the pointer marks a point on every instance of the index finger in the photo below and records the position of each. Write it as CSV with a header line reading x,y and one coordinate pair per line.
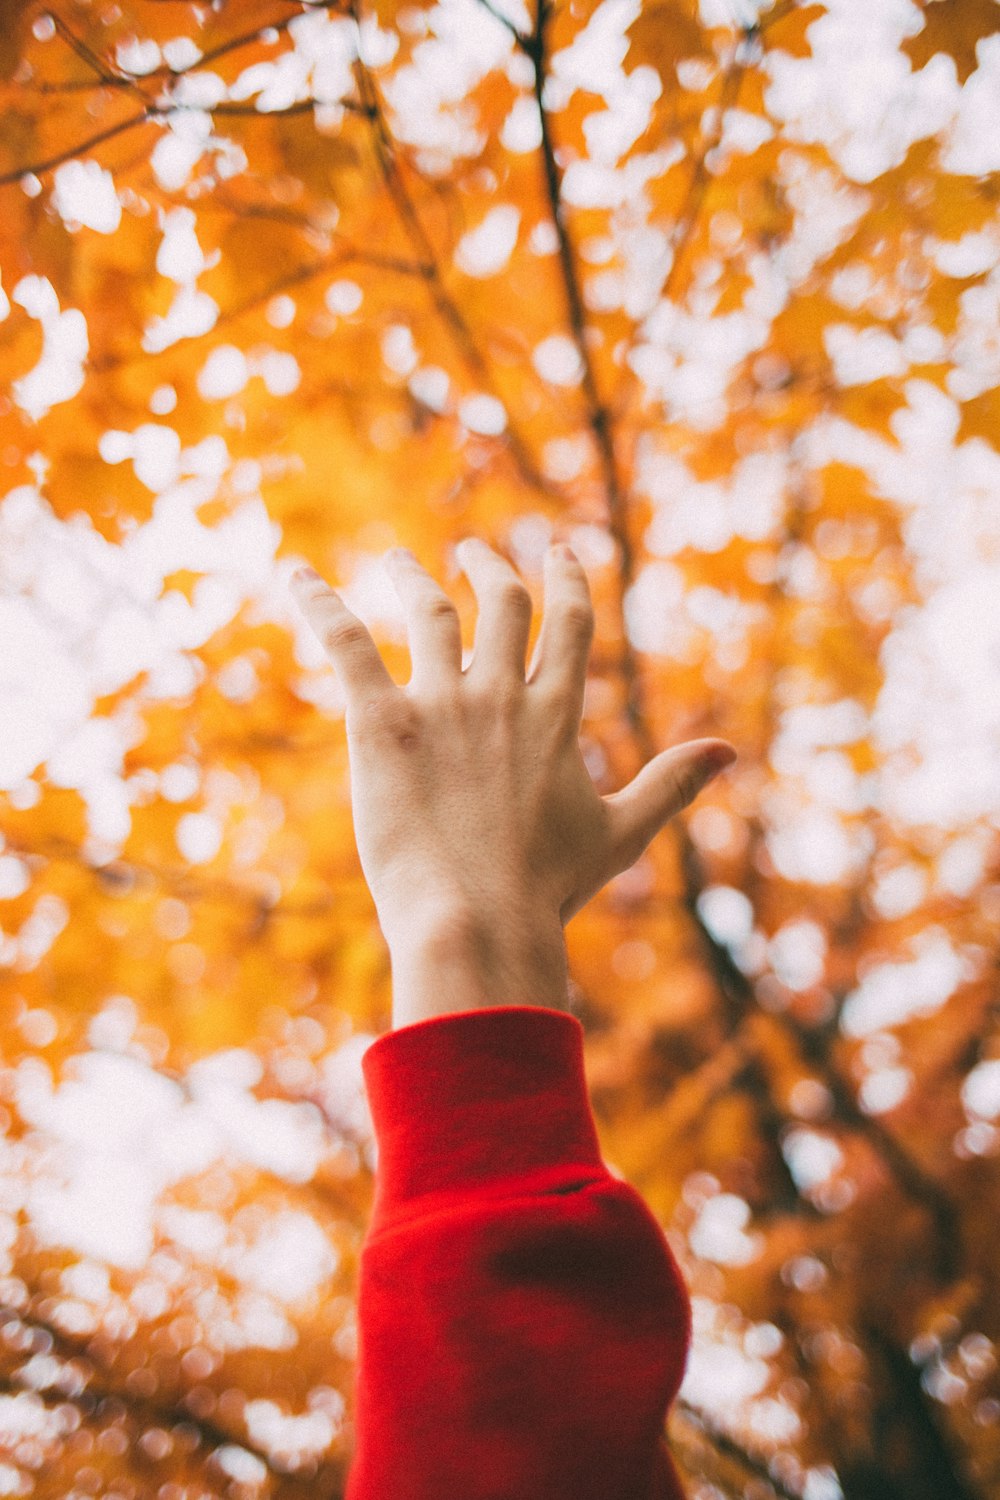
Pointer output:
x,y
342,635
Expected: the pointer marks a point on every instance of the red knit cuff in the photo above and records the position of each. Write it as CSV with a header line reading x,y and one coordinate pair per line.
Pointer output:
x,y
466,1102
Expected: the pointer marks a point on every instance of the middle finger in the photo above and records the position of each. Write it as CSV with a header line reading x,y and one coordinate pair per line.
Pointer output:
x,y
503,624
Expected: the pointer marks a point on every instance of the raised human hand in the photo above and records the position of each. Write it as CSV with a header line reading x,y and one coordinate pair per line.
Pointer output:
x,y
469,789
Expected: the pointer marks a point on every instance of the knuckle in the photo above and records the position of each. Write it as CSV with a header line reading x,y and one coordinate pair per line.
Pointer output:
x,y
500,698
344,633
392,717
558,699
579,619
513,594
441,608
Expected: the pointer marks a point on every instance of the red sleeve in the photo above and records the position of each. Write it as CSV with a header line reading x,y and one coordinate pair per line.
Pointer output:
x,y
522,1324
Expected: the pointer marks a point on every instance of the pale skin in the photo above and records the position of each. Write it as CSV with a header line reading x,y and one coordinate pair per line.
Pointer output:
x,y
479,829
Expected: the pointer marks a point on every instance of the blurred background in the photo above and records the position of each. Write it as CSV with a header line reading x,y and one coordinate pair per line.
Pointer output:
x,y
709,289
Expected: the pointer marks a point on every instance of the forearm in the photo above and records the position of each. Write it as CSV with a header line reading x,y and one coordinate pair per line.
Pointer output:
x,y
460,959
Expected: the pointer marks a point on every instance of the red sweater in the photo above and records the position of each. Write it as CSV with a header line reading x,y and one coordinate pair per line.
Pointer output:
x,y
523,1325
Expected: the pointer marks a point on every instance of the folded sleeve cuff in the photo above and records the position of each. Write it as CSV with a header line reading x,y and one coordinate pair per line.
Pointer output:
x,y
479,1102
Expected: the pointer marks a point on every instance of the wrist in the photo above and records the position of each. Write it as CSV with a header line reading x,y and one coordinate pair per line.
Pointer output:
x,y
460,958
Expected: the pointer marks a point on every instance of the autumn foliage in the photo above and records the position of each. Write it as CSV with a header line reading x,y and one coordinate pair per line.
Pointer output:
x,y
711,292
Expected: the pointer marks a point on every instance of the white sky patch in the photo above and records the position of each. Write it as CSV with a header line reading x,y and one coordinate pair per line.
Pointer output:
x,y
290,1257
884,1088
137,56
224,373
192,313
719,1232
279,371
59,374
812,1157
630,97
181,52
975,346
431,384
344,1099
743,131
399,350
428,97
826,212
981,1090
860,355
84,193
239,1464
593,60
343,297
724,1372
727,912
708,513
483,414
811,843
281,1432
972,146
277,84
892,993
155,452
328,46
185,140
730,13
941,660
113,1135
797,952
201,90
181,259
199,837
686,358
970,255
485,250
84,617
653,610
856,93
557,360
522,129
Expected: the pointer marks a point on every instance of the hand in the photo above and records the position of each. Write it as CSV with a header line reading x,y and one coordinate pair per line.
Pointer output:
x,y
469,789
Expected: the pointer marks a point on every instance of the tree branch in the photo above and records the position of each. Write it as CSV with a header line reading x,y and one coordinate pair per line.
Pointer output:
x,y
144,117
729,1448
125,874
445,305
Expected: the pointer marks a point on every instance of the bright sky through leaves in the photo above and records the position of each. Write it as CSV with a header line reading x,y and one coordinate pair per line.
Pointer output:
x,y
711,291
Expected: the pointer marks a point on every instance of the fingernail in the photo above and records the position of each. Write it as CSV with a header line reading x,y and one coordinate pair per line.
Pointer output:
x,y
305,575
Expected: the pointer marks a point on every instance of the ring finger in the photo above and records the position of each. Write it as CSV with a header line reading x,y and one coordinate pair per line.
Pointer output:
x,y
503,623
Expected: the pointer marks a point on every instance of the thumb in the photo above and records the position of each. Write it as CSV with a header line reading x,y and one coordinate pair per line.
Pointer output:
x,y
666,785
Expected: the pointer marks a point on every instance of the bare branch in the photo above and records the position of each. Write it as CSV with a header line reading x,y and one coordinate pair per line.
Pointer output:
x,y
446,306
145,1411
524,42
144,117
598,416
729,1448
95,63
124,874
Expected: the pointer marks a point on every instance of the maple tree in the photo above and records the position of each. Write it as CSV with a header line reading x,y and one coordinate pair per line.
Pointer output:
x,y
711,291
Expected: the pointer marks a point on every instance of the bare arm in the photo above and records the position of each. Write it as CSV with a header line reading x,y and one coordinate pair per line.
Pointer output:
x,y
479,829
